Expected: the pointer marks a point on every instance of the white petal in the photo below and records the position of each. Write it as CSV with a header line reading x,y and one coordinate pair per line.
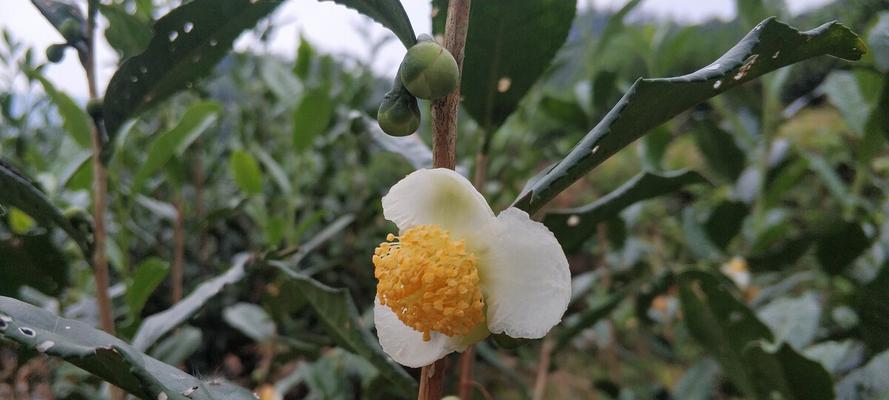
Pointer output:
x,y
405,345
524,276
440,197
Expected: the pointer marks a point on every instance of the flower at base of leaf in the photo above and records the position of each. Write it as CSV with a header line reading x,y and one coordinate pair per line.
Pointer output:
x,y
456,273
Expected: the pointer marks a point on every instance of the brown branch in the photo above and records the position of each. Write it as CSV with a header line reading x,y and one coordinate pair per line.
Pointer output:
x,y
466,382
100,182
543,369
444,153
444,111
178,251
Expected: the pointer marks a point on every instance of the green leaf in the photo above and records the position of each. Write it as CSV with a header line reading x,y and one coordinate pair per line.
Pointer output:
x,y
793,320
196,120
719,149
127,33
843,91
411,147
725,221
19,222
106,356
175,349
245,171
871,303
841,244
18,191
779,372
878,40
75,121
589,317
159,324
251,320
573,226
868,382
59,11
149,274
651,102
698,382
721,324
336,310
187,43
388,13
311,117
509,45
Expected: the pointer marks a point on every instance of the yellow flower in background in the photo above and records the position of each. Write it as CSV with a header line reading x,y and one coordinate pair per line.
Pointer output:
x,y
456,272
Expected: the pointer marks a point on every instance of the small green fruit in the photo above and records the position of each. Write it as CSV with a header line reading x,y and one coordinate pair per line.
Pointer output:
x,y
71,30
429,71
55,52
94,108
399,114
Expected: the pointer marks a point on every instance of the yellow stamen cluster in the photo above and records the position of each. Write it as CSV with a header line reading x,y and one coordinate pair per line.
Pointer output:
x,y
430,281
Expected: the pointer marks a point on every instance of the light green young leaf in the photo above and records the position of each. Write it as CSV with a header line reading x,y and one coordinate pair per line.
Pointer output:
x,y
651,102
106,356
245,171
174,142
187,43
388,13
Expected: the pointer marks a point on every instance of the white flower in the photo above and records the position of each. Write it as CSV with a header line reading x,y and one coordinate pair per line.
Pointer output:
x,y
456,273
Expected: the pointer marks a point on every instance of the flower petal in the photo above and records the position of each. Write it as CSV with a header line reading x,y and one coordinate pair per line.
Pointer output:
x,y
405,345
524,276
437,196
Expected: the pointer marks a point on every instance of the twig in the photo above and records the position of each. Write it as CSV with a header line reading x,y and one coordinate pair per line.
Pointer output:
x,y
444,152
543,369
466,382
178,251
100,181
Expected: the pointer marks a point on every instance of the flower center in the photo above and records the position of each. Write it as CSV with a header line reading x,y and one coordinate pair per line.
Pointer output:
x,y
429,281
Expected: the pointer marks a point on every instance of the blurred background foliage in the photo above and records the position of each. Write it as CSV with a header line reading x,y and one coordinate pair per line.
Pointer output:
x,y
762,266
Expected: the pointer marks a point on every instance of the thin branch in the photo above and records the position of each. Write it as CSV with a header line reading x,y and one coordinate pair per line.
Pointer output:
x,y
178,250
466,382
100,180
543,369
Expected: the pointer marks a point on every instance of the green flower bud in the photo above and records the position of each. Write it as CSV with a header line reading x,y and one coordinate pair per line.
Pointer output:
x,y
429,71
399,114
71,30
55,52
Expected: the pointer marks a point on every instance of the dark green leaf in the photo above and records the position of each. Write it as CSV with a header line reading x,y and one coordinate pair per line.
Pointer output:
x,y
18,191
725,222
718,147
187,43
32,260
779,372
388,13
159,324
245,171
59,11
840,245
105,356
721,324
573,226
509,45
311,117
871,302
336,310
127,33
651,102
149,274
698,382
251,320
175,349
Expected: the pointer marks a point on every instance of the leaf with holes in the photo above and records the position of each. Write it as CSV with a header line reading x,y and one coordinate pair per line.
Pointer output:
x,y
337,312
106,356
509,45
651,102
573,226
159,324
187,43
127,33
18,191
389,13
